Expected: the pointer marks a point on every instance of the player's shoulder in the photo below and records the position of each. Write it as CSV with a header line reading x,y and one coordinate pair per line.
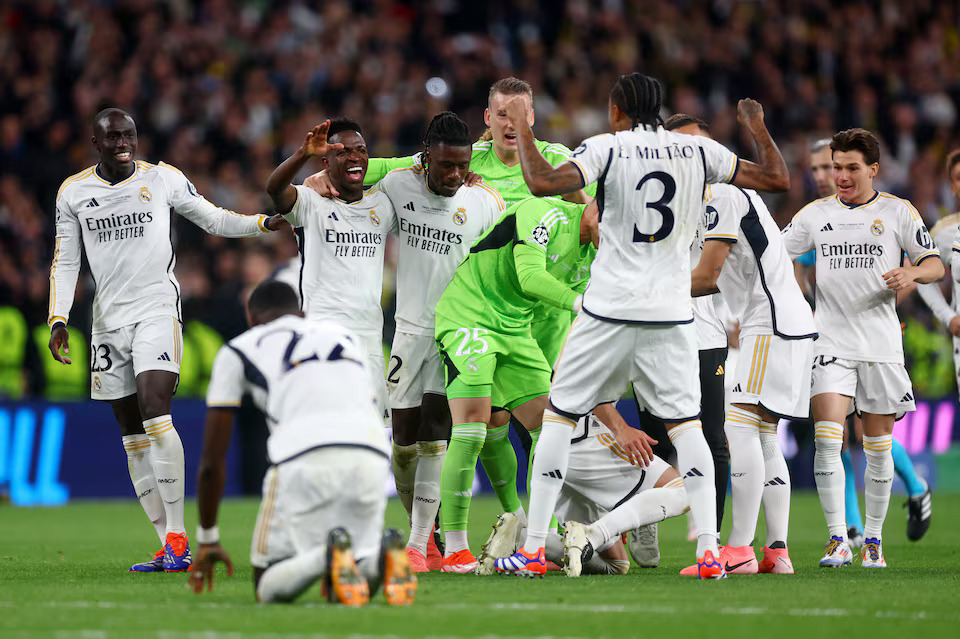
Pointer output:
x,y
485,194
481,148
402,175
553,148
817,207
946,223
373,196
899,205
69,185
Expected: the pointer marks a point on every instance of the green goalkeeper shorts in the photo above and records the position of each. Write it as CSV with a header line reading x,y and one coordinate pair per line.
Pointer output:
x,y
549,328
509,368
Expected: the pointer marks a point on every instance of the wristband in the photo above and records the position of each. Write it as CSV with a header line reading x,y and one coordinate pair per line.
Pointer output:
x,y
57,322
207,535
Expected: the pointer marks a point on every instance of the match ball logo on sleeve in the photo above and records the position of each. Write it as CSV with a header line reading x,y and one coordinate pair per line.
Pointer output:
x,y
877,227
145,194
460,217
374,219
540,235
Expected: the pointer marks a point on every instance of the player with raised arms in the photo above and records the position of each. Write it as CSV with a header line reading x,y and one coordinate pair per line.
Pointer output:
x,y
439,218
342,239
323,504
860,235
118,213
743,259
636,316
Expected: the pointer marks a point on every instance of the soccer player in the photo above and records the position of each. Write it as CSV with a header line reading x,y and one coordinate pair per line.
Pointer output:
x,y
341,240
323,498
118,213
636,315
439,218
613,494
538,251
860,236
744,259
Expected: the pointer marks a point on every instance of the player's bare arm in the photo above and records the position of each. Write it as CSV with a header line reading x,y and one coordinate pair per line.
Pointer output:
x,y
927,271
210,481
770,172
636,443
541,177
704,276
60,338
279,185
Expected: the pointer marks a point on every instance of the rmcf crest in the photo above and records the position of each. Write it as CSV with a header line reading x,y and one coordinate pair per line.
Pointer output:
x,y
374,219
877,227
144,194
460,217
96,383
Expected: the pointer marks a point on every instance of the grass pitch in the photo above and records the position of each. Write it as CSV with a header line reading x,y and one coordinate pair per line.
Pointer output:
x,y
63,573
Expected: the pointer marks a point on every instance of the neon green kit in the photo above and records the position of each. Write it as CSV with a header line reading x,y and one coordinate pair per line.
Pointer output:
x,y
531,255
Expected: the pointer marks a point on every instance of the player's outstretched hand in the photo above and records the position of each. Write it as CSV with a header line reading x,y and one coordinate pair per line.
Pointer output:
x,y
955,326
637,444
749,112
320,182
60,337
316,141
208,555
898,279
516,110
276,223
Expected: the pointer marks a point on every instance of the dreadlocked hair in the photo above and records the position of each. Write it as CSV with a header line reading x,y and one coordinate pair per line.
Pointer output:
x,y
447,128
639,97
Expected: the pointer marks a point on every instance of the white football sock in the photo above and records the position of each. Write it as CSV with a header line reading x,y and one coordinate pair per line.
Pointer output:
x,y
454,541
776,486
284,581
746,473
695,463
166,455
426,492
648,507
549,469
828,473
878,480
404,463
144,482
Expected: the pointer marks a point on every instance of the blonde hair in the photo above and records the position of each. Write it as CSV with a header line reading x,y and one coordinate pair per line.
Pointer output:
x,y
510,86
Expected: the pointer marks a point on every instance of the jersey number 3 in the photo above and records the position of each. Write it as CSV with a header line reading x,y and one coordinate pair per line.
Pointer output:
x,y
660,206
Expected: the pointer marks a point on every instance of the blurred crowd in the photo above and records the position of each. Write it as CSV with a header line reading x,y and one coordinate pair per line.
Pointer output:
x,y
224,90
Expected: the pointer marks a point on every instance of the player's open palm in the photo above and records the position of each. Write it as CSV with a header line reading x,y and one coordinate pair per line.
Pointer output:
x,y
316,141
208,555
59,337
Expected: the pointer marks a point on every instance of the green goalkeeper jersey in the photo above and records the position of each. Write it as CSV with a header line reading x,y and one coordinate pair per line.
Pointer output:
x,y
532,254
507,180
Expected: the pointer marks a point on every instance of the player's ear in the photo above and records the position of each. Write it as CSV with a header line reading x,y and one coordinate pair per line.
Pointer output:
x,y
486,116
324,162
873,169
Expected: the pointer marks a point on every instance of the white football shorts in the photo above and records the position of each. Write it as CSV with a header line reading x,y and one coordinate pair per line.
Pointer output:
x,y
415,368
880,388
600,358
307,496
118,356
774,373
372,344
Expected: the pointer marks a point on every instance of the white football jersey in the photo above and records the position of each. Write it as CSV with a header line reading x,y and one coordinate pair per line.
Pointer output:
x,y
124,228
342,246
435,234
650,193
311,381
757,280
711,333
856,312
943,232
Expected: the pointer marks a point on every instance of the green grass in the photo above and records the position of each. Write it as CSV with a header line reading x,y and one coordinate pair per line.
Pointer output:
x,y
63,573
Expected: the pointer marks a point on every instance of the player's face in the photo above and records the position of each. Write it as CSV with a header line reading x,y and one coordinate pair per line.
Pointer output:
x,y
447,167
853,176
115,138
495,117
347,166
821,168
955,179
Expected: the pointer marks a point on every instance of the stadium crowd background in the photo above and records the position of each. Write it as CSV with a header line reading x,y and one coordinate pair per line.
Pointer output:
x,y
225,90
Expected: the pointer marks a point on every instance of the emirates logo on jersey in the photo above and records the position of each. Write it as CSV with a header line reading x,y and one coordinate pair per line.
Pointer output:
x,y
460,217
877,227
145,194
374,219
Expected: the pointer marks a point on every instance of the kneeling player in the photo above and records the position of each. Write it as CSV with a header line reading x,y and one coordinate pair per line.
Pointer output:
x,y
605,486
323,498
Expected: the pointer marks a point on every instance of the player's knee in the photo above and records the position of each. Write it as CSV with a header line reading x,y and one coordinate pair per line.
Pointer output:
x,y
675,500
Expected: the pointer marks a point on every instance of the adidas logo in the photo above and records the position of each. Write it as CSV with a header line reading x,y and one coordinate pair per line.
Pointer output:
x,y
719,370
164,357
776,481
464,493
828,227
553,473
93,202
409,206
333,216
907,398
736,389
693,472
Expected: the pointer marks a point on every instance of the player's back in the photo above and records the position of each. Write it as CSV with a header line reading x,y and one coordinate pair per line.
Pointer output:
x,y
311,381
650,190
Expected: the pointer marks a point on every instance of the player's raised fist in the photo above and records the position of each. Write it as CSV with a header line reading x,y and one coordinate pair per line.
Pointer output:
x,y
749,112
316,141
516,110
